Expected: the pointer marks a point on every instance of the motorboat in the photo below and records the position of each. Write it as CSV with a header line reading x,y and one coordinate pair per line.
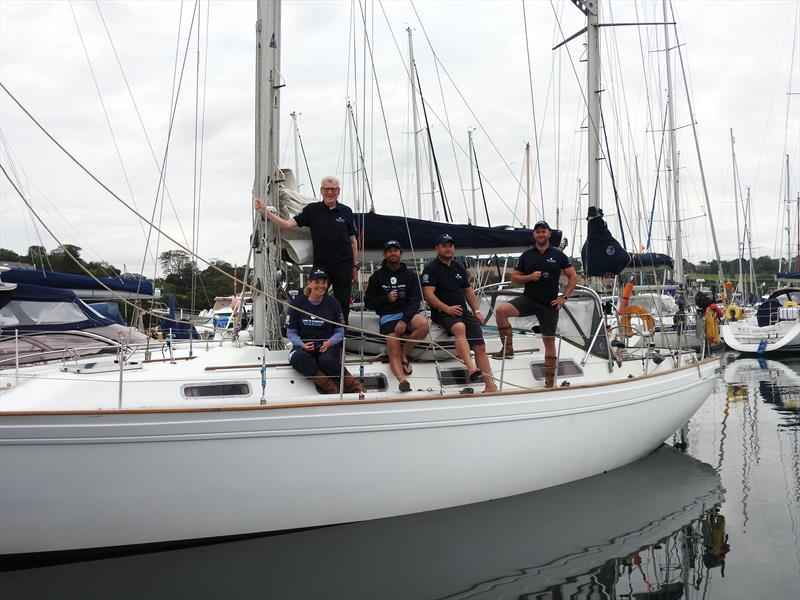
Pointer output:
x,y
773,327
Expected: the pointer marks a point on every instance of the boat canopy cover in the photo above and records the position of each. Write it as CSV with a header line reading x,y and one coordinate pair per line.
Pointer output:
x,y
36,308
142,287
789,275
651,260
109,310
601,253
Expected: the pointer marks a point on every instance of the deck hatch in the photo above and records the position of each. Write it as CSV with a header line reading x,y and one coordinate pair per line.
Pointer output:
x,y
566,368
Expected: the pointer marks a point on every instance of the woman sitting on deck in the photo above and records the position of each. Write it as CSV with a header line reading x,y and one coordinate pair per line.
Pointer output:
x,y
316,340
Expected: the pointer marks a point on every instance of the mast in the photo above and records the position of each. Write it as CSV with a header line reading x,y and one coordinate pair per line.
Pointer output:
x,y
528,185
679,277
412,69
592,11
748,233
472,177
266,322
788,218
296,136
739,245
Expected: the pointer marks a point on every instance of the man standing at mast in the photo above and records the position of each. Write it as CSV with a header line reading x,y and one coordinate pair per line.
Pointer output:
x,y
333,235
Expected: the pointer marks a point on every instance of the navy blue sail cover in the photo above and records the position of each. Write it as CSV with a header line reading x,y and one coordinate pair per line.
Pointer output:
x,y
601,253
789,275
376,229
77,282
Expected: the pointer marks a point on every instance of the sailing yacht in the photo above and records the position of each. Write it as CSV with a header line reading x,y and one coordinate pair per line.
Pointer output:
x,y
233,441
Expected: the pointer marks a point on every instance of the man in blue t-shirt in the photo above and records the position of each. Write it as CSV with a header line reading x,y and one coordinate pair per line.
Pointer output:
x,y
539,268
333,235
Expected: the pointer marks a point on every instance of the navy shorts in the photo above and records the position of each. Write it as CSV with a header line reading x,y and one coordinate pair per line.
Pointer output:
x,y
473,328
388,328
547,315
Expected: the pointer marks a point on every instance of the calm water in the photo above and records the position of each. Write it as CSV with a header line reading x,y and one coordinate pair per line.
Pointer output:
x,y
721,521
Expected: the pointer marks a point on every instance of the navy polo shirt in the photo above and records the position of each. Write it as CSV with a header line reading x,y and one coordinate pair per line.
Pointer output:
x,y
308,327
331,229
550,262
450,282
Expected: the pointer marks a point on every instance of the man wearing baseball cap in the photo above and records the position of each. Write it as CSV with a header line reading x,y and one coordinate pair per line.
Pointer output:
x,y
539,268
393,292
447,290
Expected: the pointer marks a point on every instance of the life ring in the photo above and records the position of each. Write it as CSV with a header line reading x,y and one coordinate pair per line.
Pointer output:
x,y
627,292
734,313
712,326
644,316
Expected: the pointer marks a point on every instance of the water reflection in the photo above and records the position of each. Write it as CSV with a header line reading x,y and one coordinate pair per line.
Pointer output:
x,y
651,529
776,383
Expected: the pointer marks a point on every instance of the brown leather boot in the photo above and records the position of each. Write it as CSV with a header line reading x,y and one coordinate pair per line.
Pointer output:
x,y
506,335
550,364
351,384
325,384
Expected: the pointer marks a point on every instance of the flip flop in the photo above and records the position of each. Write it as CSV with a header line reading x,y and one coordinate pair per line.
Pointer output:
x,y
407,369
476,375
405,386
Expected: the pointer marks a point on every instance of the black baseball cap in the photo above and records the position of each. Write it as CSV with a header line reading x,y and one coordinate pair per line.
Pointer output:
x,y
541,225
392,244
317,274
444,238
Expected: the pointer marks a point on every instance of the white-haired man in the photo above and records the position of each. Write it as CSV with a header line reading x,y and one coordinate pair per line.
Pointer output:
x,y
333,234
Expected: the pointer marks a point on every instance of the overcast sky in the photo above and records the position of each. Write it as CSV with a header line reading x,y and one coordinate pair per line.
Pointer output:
x,y
739,57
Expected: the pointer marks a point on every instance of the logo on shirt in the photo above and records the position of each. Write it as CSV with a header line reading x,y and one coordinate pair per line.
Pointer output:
x,y
340,220
308,322
611,250
393,280
459,277
550,259
425,278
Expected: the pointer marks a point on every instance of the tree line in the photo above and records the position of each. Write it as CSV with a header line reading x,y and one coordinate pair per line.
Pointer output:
x,y
177,268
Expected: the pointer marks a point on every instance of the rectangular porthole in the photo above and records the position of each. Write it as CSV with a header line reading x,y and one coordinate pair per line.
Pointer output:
x,y
566,368
226,389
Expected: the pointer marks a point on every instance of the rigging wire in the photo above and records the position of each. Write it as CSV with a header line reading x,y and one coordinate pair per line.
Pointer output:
x,y
533,108
12,162
452,139
469,108
141,123
105,112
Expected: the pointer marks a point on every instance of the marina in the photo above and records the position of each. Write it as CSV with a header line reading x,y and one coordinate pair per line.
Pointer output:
x,y
388,395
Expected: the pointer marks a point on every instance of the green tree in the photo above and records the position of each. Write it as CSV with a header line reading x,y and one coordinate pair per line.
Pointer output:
x,y
10,255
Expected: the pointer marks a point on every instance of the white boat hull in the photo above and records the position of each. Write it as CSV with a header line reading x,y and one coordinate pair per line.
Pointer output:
x,y
94,479
745,336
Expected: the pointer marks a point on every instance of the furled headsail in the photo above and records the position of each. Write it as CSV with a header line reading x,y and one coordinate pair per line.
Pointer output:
x,y
601,253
